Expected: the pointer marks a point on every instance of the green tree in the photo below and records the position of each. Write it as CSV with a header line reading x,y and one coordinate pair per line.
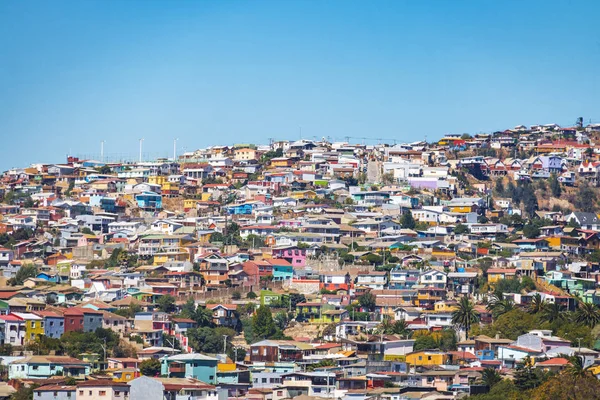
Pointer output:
x,y
166,303
407,220
86,231
251,295
490,377
552,313
537,304
263,325
531,231
425,342
503,390
499,186
150,367
367,301
585,199
26,271
555,186
448,340
526,377
460,229
566,386
513,324
499,306
465,315
587,314
24,392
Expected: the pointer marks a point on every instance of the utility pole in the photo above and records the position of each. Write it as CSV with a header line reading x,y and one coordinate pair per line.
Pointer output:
x,y
224,344
141,141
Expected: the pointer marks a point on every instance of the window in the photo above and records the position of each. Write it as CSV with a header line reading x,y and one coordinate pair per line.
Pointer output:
x,y
264,380
117,393
90,392
35,367
81,392
51,323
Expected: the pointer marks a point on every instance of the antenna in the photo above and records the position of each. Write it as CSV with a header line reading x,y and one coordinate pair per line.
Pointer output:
x,y
141,141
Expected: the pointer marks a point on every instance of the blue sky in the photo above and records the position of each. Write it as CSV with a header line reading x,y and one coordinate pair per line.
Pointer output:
x,y
73,73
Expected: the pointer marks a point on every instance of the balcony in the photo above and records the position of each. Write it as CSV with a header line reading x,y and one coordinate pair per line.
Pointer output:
x,y
177,368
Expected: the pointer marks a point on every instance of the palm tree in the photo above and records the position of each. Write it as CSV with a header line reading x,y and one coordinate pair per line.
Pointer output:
x,y
576,368
399,327
588,314
490,377
553,312
465,315
499,306
537,304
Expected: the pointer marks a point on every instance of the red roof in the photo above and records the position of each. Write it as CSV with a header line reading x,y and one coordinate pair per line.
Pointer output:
x,y
502,271
226,306
7,295
11,317
553,361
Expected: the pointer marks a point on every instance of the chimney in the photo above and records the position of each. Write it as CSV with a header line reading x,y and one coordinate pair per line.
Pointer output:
x,y
497,336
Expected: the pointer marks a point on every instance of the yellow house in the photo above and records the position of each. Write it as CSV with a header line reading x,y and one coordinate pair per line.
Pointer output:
x,y
164,247
161,258
204,236
281,162
190,204
427,357
495,274
303,194
245,154
443,307
34,325
125,374
226,366
157,179
463,209
170,189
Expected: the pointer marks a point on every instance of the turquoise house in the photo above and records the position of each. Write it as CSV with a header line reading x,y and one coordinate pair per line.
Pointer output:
x,y
43,367
283,272
197,366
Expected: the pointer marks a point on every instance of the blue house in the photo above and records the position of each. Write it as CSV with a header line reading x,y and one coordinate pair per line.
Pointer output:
x,y
149,201
240,209
283,272
536,244
56,278
54,324
197,366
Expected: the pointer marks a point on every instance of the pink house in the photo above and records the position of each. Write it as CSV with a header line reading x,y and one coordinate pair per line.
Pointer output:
x,y
292,254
